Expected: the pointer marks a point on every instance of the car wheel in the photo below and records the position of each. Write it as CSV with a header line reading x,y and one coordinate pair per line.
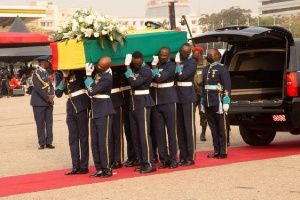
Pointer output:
x,y
255,137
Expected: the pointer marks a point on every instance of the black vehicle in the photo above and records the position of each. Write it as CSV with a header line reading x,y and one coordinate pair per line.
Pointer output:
x,y
264,65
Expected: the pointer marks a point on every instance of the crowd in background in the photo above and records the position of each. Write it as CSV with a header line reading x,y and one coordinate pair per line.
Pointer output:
x,y
16,77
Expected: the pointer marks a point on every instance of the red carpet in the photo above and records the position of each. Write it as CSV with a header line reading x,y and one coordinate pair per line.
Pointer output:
x,y
56,179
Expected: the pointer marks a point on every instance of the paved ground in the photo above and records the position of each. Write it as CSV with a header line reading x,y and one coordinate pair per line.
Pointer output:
x,y
265,179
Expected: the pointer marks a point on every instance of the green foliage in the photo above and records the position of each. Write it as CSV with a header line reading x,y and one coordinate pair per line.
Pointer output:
x,y
237,16
227,17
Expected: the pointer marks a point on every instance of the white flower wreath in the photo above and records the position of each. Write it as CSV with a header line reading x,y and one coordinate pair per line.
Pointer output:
x,y
86,24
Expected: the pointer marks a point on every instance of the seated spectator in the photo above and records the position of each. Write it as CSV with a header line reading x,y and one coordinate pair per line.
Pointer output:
x,y
13,84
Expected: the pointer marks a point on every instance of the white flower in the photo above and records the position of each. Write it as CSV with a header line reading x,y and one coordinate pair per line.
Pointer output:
x,y
104,32
96,34
75,25
123,29
64,25
80,19
89,19
88,32
96,25
85,24
78,37
110,27
101,19
65,35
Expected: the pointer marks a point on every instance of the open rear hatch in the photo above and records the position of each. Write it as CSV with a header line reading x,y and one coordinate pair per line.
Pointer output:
x,y
244,35
257,63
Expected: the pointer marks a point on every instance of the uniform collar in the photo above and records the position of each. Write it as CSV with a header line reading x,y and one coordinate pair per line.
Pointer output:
x,y
107,71
215,63
41,69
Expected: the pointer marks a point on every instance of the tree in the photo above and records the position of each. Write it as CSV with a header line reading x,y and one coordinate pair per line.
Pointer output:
x,y
227,17
165,24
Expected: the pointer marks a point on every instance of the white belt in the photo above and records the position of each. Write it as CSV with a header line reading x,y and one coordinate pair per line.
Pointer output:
x,y
162,85
78,92
184,84
101,96
115,90
139,92
125,88
213,87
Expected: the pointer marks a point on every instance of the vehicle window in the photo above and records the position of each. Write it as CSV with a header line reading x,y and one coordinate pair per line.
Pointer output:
x,y
262,60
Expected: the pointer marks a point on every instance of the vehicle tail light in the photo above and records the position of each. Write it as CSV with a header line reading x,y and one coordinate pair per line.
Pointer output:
x,y
279,118
292,84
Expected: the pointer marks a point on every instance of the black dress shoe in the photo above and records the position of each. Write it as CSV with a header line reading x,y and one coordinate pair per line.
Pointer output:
x,y
83,171
73,171
106,174
222,156
188,163
148,169
50,146
181,162
97,174
213,155
116,165
132,163
41,147
164,165
138,169
202,138
173,165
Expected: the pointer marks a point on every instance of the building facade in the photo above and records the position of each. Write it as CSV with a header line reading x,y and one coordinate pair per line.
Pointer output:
x,y
159,8
51,20
271,8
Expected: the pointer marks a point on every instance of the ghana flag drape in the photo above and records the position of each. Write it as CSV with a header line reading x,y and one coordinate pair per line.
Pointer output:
x,y
74,55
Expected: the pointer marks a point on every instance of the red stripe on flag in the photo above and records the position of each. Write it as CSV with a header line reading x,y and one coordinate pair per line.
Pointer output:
x,y
54,50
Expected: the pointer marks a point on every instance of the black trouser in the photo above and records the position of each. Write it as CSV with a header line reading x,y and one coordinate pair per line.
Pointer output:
x,y
153,136
218,129
43,116
100,139
130,148
140,129
78,138
117,143
186,131
165,116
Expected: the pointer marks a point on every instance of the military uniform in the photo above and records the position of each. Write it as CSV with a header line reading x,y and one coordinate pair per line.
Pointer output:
x,y
185,111
102,112
117,143
42,109
198,83
217,84
139,113
164,112
78,105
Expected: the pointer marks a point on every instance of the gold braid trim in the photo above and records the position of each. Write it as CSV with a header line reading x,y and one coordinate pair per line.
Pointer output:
x,y
45,85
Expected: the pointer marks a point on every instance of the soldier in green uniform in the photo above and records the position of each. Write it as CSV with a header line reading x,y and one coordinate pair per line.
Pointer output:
x,y
198,79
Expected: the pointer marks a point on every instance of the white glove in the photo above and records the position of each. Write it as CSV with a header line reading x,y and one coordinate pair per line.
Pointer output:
x,y
89,68
177,57
128,59
202,108
225,107
65,73
155,60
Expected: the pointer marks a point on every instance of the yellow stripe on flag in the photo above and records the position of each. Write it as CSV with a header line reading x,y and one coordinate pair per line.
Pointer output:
x,y
71,55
